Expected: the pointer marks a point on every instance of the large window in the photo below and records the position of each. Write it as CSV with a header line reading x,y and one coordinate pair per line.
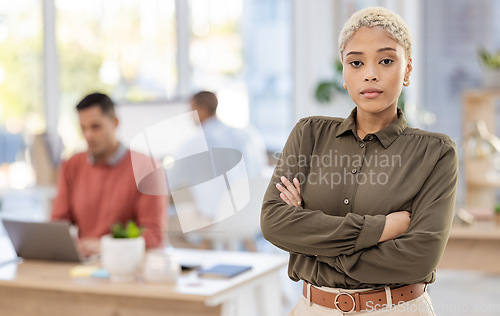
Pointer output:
x,y
269,74
243,50
216,55
141,51
125,48
21,105
153,50
216,43
20,60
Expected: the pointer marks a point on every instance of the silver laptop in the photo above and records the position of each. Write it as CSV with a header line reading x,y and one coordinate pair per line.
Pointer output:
x,y
43,240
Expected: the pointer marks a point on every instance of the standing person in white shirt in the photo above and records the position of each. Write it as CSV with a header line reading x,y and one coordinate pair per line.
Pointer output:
x,y
219,135
190,172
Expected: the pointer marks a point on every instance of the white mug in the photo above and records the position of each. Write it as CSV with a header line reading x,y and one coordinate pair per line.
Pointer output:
x,y
161,267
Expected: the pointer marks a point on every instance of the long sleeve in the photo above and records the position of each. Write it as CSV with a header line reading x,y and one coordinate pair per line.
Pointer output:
x,y
151,210
413,256
311,232
61,207
94,197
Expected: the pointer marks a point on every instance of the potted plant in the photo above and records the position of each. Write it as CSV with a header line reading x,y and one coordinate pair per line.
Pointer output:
x,y
122,251
326,89
491,70
497,214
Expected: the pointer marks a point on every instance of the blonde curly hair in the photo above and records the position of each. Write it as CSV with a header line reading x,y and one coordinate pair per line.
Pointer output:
x,y
377,16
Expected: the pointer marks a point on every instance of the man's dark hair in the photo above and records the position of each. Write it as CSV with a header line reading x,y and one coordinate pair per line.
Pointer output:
x,y
207,100
97,99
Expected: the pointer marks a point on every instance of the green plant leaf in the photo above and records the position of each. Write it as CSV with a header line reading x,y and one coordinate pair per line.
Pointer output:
x,y
130,231
118,231
497,209
488,59
324,91
401,101
339,68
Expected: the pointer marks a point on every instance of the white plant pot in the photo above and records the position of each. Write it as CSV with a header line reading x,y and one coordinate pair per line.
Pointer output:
x,y
491,78
122,257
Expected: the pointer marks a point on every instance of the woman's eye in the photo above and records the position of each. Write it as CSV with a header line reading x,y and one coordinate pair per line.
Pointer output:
x,y
386,61
355,63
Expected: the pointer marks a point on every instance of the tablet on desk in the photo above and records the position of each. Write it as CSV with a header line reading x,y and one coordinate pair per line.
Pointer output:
x,y
223,271
43,240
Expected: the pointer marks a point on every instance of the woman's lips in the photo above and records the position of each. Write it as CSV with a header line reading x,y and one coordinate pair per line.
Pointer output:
x,y
371,93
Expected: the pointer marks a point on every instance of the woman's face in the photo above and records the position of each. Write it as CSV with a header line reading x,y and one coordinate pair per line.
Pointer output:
x,y
374,69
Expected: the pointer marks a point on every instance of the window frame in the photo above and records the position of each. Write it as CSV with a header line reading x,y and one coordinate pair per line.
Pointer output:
x,y
51,88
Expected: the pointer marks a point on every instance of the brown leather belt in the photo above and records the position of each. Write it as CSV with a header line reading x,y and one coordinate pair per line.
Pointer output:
x,y
367,300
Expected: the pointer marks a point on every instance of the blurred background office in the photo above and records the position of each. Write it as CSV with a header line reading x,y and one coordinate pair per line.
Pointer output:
x,y
270,62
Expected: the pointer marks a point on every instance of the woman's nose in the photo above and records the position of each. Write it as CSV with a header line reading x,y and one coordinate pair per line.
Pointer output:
x,y
371,75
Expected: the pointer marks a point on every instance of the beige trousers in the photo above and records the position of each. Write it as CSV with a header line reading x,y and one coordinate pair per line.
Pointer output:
x,y
420,306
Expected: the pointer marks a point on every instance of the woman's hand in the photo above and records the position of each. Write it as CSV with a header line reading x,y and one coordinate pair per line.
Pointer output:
x,y
396,224
290,193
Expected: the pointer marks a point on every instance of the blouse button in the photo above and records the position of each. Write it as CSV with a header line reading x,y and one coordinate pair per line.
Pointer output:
x,y
370,137
354,171
362,145
346,201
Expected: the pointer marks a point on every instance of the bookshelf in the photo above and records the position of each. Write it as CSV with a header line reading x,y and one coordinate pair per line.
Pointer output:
x,y
481,179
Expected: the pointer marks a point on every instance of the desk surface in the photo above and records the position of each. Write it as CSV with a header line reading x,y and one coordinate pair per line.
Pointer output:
x,y
473,247
55,276
479,230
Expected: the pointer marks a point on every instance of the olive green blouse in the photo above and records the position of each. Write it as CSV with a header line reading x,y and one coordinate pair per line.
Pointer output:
x,y
348,187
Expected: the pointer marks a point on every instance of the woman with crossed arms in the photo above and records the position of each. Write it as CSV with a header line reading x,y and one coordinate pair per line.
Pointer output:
x,y
364,205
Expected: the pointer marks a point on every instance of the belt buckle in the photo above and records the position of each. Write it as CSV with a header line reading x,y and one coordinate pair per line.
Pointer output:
x,y
336,302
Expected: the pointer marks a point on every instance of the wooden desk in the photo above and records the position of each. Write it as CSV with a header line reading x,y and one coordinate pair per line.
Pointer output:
x,y
473,247
46,288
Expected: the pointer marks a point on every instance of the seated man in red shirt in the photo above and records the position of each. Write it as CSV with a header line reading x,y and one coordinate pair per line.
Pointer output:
x,y
97,189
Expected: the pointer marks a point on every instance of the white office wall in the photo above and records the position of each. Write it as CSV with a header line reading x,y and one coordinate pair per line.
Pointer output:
x,y
315,50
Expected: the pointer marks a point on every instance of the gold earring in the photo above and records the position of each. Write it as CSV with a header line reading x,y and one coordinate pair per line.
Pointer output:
x,y
406,82
345,87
